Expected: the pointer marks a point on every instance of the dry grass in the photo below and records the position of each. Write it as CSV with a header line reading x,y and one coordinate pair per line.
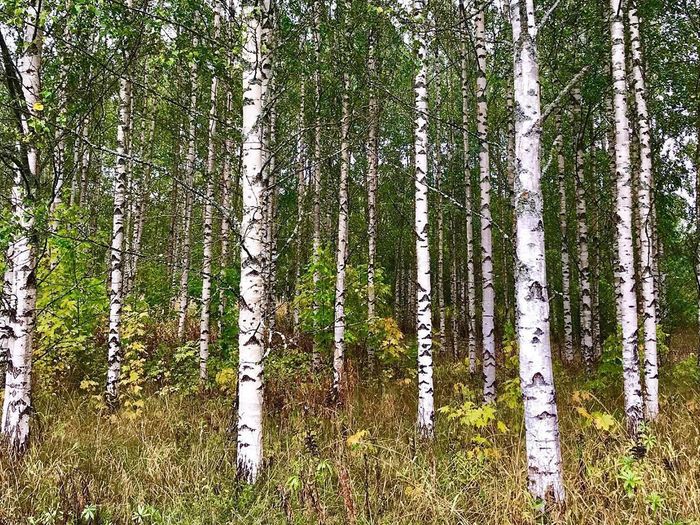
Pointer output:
x,y
176,462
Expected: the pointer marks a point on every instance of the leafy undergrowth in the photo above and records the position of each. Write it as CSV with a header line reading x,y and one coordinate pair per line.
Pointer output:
x,y
172,461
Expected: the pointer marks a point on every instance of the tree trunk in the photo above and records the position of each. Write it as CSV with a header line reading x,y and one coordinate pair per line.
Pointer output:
x,y
488,291
208,240
426,409
645,233
301,176
565,265
342,247
625,248
470,309
183,296
536,378
582,233
226,204
257,21
115,351
372,161
317,179
440,278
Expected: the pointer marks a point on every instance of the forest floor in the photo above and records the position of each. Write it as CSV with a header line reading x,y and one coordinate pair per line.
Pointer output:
x,y
170,458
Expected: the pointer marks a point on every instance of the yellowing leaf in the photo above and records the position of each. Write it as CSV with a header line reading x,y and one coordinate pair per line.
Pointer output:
x,y
603,421
357,438
502,427
583,412
38,106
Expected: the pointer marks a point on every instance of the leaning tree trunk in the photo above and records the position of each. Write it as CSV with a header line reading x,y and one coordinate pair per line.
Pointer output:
x,y
488,291
424,324
536,378
208,240
645,233
565,264
373,161
582,233
20,277
342,247
470,309
625,247
257,20
115,351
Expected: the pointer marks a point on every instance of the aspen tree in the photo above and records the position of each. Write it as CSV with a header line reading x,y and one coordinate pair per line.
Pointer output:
x,y
536,379
627,301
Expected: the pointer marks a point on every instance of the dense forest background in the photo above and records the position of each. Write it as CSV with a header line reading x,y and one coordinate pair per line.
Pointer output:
x,y
337,192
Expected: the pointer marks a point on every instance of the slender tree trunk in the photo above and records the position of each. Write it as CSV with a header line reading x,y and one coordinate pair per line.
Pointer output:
x,y
271,229
426,409
645,233
488,291
226,204
208,240
470,309
454,293
317,180
301,175
440,278
183,295
582,233
342,247
565,265
536,378
373,162
257,21
625,248
115,351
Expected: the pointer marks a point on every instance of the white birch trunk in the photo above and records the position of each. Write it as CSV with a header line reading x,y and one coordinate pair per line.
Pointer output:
x,y
184,260
625,249
20,276
488,291
582,233
565,264
373,162
317,176
208,240
454,293
536,379
301,175
115,350
424,324
645,233
470,309
442,319
342,247
226,204
256,20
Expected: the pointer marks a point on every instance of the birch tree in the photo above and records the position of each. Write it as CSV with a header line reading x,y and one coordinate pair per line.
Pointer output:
x,y
565,264
121,180
317,172
488,291
208,217
647,225
256,19
536,378
373,162
470,309
19,283
424,324
625,249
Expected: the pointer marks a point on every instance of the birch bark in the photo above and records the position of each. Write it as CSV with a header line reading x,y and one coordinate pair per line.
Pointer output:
x,y
256,18
115,351
645,233
488,291
426,409
373,162
627,301
536,378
